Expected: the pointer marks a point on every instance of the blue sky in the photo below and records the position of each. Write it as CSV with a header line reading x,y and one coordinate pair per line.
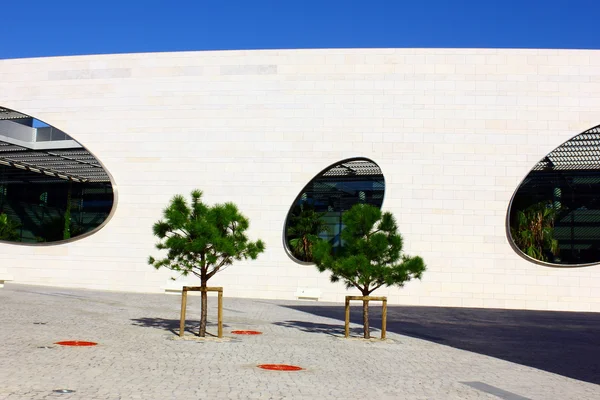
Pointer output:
x,y
34,28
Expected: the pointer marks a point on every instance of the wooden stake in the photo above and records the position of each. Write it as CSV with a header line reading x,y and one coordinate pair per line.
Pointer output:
x,y
347,319
383,300
184,292
183,306
220,314
383,318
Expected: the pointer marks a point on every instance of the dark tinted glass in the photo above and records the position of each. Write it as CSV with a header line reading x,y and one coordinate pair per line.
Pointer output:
x,y
326,198
554,216
51,187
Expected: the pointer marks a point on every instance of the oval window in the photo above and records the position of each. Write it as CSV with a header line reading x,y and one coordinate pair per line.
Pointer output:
x,y
554,215
51,188
318,209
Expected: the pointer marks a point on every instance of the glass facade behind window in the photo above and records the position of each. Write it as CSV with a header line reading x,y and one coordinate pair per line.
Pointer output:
x,y
51,188
333,192
560,200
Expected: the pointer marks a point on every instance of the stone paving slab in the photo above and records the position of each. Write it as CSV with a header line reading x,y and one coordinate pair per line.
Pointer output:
x,y
140,357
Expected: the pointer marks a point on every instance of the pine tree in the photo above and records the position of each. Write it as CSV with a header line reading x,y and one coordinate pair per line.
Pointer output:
x,y
202,240
371,255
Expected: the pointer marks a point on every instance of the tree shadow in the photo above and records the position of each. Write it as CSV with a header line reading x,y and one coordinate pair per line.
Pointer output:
x,y
328,329
565,343
172,325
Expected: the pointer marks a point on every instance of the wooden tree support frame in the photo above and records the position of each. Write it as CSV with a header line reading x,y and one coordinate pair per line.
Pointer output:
x,y
187,289
366,299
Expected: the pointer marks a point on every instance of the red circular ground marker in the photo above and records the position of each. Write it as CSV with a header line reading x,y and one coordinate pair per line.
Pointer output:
x,y
247,332
279,367
76,343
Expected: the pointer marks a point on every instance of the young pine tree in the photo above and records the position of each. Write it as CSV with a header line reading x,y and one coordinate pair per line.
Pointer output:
x,y
202,240
371,255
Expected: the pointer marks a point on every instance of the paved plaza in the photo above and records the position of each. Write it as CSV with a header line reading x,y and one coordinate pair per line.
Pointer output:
x,y
139,355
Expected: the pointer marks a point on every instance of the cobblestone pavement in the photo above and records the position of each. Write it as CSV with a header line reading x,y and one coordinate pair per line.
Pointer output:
x,y
139,356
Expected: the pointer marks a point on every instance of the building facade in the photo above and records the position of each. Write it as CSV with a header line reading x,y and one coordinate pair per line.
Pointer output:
x,y
453,132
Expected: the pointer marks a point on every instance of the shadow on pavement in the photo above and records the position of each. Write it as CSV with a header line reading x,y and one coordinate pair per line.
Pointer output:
x,y
328,329
172,325
565,343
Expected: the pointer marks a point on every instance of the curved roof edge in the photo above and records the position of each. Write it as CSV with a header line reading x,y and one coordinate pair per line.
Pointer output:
x,y
329,51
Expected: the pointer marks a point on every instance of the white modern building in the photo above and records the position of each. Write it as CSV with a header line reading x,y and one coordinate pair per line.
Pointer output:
x,y
452,132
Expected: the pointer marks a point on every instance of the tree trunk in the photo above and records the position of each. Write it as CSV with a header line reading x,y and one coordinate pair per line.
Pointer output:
x,y
203,308
367,334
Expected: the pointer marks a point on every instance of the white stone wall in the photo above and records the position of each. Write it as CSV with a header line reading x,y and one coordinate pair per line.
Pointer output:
x,y
454,131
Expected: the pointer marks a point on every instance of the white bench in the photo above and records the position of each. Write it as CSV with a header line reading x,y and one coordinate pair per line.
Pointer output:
x,y
308,294
175,287
4,278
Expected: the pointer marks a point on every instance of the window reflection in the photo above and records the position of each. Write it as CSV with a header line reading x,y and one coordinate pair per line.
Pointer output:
x,y
564,188
318,210
51,187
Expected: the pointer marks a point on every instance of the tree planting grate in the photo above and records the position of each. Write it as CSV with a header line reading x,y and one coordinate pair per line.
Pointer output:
x,y
247,332
76,343
279,367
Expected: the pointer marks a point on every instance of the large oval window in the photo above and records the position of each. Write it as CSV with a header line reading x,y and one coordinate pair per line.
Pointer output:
x,y
51,188
554,216
318,209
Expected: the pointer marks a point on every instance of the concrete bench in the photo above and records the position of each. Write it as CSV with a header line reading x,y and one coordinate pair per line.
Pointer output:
x,y
4,278
175,287
308,293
